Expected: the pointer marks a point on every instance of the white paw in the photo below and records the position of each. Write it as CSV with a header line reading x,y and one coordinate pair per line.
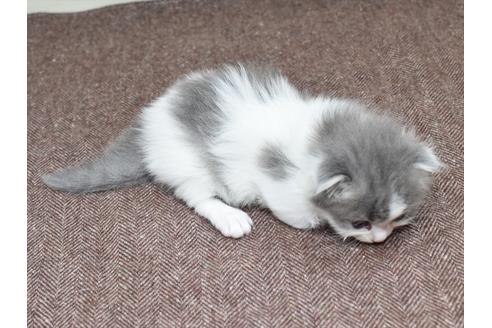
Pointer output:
x,y
233,223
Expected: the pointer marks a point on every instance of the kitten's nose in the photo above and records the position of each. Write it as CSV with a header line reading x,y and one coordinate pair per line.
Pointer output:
x,y
380,232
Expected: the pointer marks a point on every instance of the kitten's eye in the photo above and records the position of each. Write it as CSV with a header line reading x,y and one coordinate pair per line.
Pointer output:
x,y
401,217
361,224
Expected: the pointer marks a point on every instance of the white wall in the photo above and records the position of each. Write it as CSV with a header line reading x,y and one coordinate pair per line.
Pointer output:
x,y
61,6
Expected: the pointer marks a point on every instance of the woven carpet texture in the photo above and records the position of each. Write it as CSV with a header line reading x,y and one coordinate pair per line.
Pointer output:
x,y
140,258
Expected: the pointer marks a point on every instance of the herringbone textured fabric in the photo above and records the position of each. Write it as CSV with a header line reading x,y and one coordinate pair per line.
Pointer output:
x,y
140,258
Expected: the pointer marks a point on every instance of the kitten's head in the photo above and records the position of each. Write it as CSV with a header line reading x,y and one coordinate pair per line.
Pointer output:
x,y
373,175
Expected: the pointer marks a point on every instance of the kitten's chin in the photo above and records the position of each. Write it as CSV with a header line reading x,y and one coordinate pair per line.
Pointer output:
x,y
373,237
367,238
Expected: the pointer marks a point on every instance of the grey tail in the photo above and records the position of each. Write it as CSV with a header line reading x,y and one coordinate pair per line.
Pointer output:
x,y
121,165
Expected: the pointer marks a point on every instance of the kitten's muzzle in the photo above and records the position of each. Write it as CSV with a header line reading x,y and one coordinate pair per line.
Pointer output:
x,y
377,234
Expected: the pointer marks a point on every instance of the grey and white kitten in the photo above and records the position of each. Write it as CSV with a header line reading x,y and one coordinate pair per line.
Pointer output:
x,y
243,135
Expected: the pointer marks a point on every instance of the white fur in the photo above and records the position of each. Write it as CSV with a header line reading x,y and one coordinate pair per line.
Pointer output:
x,y
379,233
430,162
285,119
396,206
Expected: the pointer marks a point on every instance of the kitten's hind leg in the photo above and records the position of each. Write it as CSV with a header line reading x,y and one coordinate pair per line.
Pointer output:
x,y
230,221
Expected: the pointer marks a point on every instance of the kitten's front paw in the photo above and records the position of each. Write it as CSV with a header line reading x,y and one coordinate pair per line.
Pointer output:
x,y
234,223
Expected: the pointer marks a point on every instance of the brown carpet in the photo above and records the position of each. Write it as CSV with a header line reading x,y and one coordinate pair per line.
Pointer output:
x,y
140,258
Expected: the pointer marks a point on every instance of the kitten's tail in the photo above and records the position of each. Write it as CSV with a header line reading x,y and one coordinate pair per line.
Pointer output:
x,y
121,165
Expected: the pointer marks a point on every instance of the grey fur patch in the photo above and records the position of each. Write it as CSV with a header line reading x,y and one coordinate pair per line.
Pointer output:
x,y
195,107
195,104
121,165
273,161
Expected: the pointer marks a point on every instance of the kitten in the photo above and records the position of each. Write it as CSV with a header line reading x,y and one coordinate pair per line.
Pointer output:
x,y
243,135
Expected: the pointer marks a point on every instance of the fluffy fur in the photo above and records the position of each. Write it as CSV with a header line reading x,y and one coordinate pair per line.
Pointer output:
x,y
243,135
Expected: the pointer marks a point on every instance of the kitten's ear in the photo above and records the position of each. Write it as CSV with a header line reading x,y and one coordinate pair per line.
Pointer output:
x,y
333,186
428,161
